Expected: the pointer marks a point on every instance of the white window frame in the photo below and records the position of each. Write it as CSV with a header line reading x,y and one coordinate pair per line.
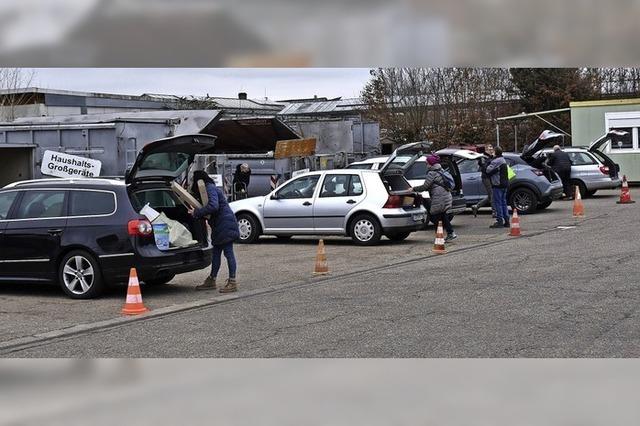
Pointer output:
x,y
623,119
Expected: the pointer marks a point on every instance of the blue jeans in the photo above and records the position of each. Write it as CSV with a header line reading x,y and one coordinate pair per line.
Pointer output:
x,y
227,249
500,204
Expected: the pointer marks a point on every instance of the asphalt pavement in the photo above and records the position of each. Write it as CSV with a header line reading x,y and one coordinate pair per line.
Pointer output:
x,y
567,288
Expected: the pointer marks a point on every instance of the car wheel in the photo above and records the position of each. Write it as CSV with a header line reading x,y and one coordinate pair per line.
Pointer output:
x,y
249,228
524,200
365,230
400,236
592,193
79,275
544,205
160,280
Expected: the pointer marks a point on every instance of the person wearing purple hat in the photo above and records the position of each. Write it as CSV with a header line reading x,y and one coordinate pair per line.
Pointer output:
x,y
437,183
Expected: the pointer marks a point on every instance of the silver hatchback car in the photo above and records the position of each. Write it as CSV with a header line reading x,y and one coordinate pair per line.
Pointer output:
x,y
362,204
591,168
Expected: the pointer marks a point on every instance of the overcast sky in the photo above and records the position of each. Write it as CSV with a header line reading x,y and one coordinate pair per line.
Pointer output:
x,y
276,83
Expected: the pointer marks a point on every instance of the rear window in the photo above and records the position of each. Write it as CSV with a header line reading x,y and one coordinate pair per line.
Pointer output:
x,y
41,204
6,200
90,203
156,198
468,166
169,161
417,171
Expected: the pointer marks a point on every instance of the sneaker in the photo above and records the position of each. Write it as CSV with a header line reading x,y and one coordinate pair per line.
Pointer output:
x,y
230,286
451,236
209,284
507,225
497,225
474,210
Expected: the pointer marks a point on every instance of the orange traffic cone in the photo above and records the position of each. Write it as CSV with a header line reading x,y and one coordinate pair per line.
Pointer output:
x,y
322,267
438,245
578,206
133,305
514,229
625,194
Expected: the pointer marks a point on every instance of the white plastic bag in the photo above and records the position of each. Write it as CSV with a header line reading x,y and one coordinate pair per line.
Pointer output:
x,y
179,235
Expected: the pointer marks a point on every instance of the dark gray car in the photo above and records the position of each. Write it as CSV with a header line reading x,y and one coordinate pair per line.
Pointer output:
x,y
532,188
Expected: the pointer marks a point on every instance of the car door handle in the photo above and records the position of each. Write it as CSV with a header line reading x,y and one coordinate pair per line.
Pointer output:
x,y
306,203
54,231
351,202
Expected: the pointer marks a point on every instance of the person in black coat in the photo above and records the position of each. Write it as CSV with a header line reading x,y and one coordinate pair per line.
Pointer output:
x,y
560,162
241,179
224,231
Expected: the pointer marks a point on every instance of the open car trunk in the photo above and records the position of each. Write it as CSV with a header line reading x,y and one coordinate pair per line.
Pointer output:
x,y
164,200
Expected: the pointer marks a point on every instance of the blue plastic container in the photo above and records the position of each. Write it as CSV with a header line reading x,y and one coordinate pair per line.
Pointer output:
x,y
161,235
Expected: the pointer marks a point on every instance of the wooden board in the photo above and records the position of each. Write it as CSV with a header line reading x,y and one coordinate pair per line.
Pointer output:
x,y
184,196
295,148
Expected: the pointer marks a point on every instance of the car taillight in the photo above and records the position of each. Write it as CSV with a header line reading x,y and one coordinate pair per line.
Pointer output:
x,y
139,227
393,202
604,170
538,172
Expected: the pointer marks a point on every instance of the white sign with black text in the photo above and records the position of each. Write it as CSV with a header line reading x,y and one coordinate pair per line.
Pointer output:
x,y
63,165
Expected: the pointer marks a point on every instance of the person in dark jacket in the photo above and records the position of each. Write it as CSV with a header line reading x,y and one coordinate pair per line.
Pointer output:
x,y
439,195
224,231
498,172
483,162
241,180
560,162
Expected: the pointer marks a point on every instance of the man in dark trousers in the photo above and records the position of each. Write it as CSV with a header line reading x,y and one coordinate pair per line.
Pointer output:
x,y
497,171
560,162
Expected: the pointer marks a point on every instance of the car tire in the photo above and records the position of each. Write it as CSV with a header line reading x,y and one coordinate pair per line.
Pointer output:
x,y
161,280
544,205
592,193
249,228
400,236
524,200
78,267
365,230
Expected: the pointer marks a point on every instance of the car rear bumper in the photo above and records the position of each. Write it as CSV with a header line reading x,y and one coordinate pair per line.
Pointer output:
x,y
151,263
403,220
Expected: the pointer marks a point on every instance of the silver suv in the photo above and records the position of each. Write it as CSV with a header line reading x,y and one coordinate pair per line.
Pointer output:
x,y
362,204
591,168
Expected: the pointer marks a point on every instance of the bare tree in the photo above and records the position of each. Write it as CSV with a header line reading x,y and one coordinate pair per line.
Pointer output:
x,y
445,105
12,80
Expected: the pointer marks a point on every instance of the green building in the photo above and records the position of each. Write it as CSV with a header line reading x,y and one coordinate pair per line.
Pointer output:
x,y
591,119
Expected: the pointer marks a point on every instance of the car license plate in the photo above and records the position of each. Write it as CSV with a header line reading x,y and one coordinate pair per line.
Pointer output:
x,y
418,217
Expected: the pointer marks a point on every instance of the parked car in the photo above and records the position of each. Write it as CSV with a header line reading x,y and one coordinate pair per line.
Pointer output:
x,y
362,204
532,188
591,168
88,233
416,174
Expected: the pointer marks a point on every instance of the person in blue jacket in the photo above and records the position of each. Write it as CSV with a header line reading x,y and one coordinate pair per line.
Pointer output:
x,y
224,231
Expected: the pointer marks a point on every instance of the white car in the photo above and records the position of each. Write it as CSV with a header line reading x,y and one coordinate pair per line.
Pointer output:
x,y
362,204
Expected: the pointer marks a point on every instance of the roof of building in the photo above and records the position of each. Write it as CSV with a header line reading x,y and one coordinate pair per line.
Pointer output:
x,y
324,107
44,91
608,102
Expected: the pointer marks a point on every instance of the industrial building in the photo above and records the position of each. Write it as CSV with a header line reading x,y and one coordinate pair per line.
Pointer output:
x,y
591,119
116,138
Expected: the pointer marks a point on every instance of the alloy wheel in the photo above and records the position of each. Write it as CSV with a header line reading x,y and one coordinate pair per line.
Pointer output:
x,y
78,275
